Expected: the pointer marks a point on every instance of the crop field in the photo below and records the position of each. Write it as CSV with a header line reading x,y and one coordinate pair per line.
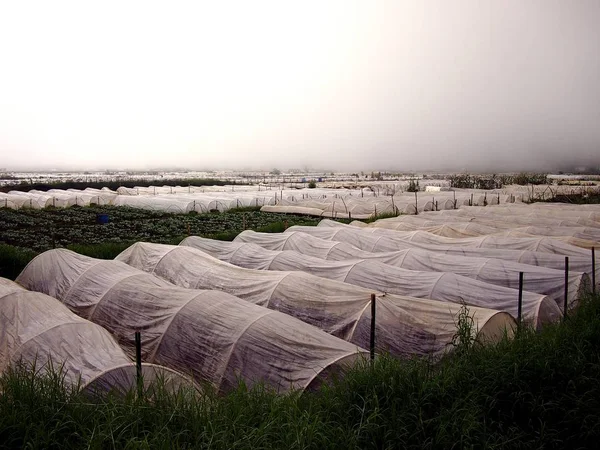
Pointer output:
x,y
457,361
41,230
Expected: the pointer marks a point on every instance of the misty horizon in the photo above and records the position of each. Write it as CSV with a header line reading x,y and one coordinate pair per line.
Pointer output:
x,y
394,86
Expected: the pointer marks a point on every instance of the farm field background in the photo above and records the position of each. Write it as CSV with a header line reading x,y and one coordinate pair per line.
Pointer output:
x,y
373,404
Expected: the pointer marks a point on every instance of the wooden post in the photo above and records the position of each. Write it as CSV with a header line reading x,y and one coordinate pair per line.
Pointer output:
x,y
138,362
520,305
593,270
416,204
471,201
566,287
372,340
454,194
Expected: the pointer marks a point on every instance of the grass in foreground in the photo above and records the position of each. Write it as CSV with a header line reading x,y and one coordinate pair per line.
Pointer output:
x,y
540,390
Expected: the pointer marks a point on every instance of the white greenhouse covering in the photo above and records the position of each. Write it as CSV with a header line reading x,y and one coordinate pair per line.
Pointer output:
x,y
13,201
209,335
32,200
444,225
464,229
496,215
390,240
372,274
548,260
171,205
39,332
489,270
587,216
549,253
502,220
405,325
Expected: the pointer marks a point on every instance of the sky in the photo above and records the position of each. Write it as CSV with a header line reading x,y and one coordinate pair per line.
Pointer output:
x,y
491,85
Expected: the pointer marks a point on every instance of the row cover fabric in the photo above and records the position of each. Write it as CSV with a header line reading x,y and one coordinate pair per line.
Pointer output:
x,y
471,226
39,332
591,212
383,240
549,252
444,286
462,230
583,217
526,217
548,260
404,326
489,270
427,240
209,335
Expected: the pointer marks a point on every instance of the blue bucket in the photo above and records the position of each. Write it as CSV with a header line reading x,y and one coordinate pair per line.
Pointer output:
x,y
102,218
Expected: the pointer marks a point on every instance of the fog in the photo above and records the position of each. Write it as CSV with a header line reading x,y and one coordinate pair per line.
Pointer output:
x,y
348,85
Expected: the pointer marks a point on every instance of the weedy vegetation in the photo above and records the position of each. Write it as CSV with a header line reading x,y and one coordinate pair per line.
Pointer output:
x,y
537,390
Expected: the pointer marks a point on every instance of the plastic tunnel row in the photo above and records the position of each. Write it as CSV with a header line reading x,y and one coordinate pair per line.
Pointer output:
x,y
210,336
38,333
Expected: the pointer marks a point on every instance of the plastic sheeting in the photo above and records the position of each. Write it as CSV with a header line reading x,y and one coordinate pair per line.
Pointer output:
x,y
170,205
568,216
372,274
382,240
422,239
210,335
489,270
32,201
498,220
38,332
405,325
557,210
460,230
471,226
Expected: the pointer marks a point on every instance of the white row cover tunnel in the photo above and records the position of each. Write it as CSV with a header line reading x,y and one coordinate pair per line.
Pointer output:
x,y
373,239
372,274
493,271
348,202
404,325
38,332
326,202
459,226
209,335
397,240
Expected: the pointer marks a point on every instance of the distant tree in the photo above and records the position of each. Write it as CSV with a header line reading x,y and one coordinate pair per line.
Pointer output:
x,y
413,186
275,172
312,184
